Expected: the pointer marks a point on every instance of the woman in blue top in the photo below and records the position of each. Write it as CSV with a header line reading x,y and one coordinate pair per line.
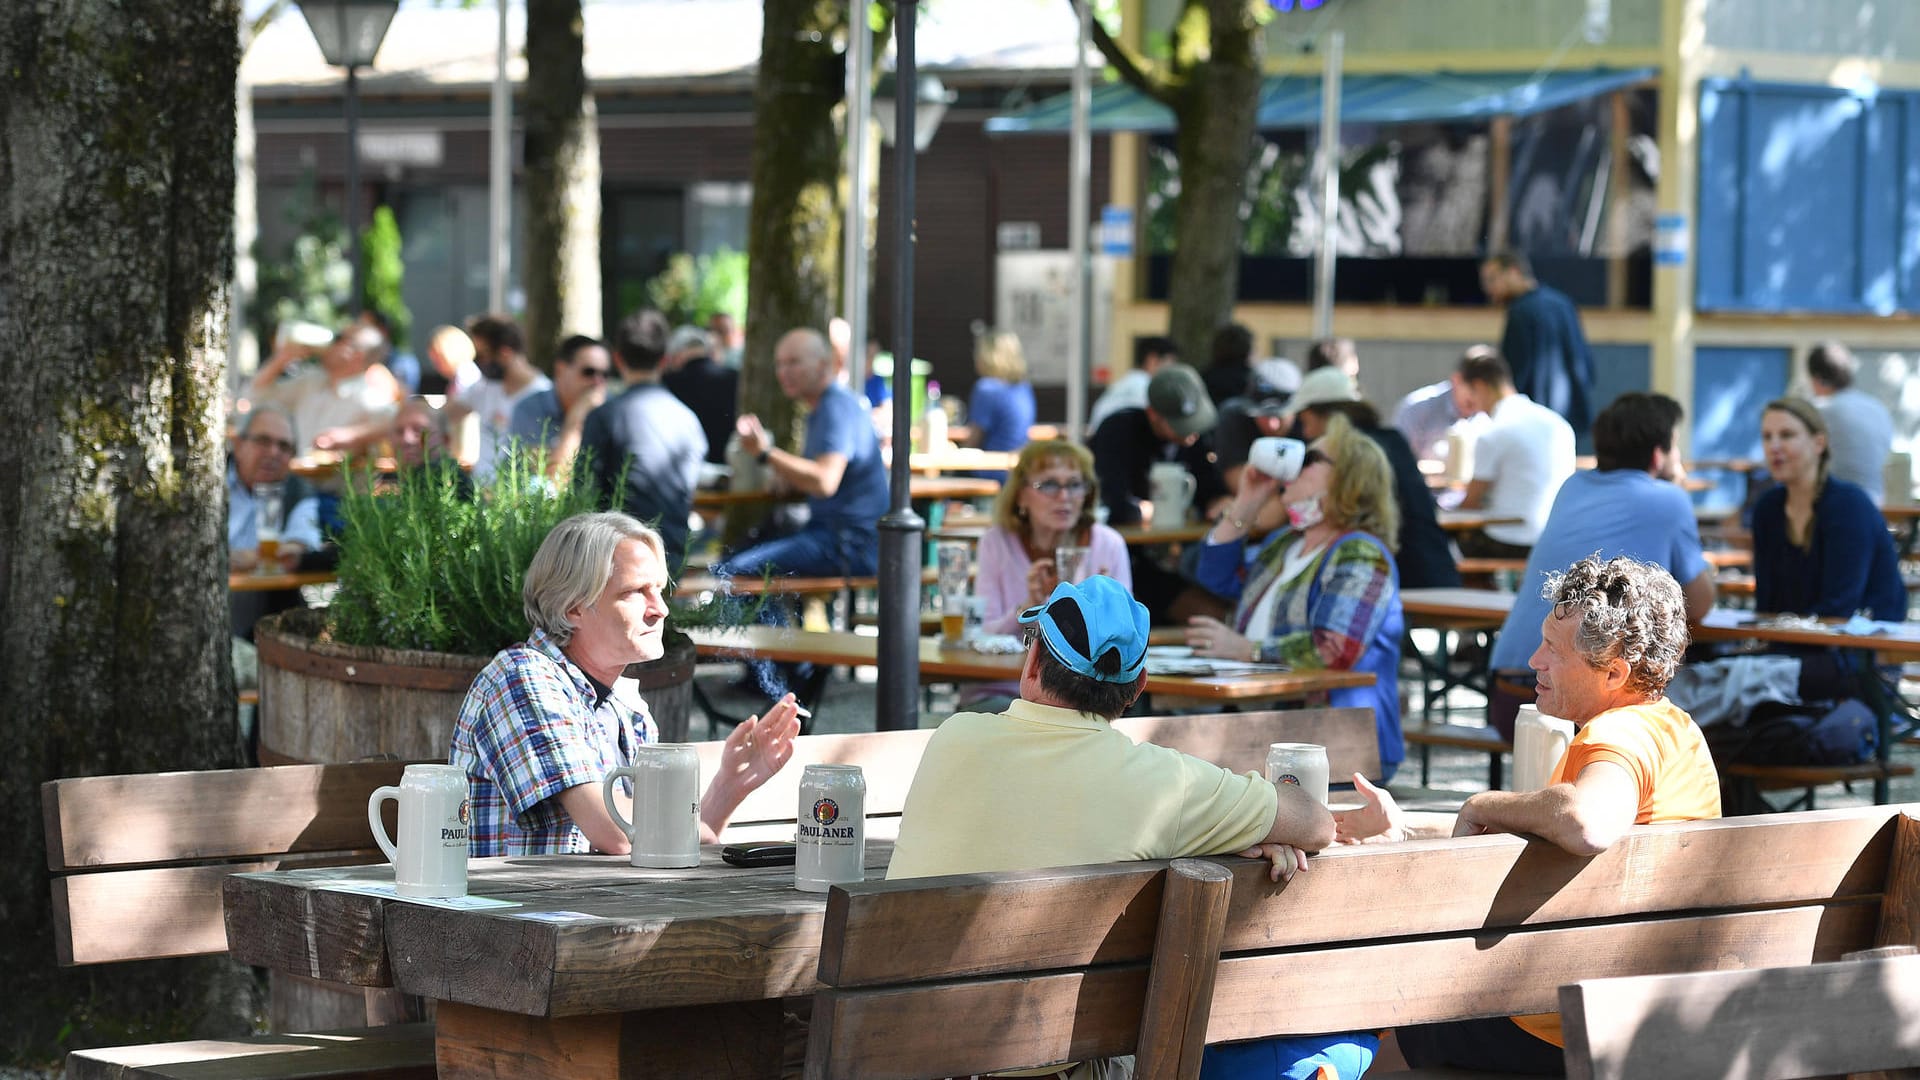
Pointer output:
x,y
1820,546
1001,407
1324,591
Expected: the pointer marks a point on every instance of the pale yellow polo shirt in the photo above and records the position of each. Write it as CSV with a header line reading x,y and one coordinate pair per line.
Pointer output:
x,y
1040,786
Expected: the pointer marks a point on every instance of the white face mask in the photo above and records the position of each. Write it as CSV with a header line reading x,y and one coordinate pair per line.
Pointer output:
x,y
1305,514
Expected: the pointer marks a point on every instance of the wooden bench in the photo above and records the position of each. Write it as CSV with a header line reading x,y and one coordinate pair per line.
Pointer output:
x,y
137,863
1457,737
968,973
1809,778
1775,1023
888,759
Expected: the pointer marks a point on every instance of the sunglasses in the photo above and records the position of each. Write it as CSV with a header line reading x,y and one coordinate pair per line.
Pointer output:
x,y
1315,457
1053,489
598,374
268,442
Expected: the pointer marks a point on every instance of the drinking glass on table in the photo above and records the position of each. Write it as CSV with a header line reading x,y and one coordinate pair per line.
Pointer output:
x,y
1070,562
269,504
955,561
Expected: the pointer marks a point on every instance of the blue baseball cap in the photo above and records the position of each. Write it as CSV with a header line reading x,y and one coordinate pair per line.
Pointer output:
x,y
1095,628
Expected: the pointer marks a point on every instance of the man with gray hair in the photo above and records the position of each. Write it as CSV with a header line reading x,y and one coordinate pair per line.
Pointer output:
x,y
1859,428
262,450
548,719
1612,637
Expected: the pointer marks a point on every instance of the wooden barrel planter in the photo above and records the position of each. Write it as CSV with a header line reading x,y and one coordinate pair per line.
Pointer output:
x,y
321,701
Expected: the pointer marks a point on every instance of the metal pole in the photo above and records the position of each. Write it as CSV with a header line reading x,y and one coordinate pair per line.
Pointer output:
x,y
353,190
853,274
499,173
1079,208
900,529
1329,185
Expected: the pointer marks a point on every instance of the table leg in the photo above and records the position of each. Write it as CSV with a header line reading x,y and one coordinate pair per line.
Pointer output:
x,y
740,1039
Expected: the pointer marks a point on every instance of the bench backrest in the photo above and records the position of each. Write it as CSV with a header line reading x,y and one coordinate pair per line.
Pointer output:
x,y
888,759
137,860
1479,926
1775,1023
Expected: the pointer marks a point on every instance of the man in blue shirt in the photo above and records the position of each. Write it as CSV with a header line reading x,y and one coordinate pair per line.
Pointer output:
x,y
838,469
1628,506
1543,342
555,417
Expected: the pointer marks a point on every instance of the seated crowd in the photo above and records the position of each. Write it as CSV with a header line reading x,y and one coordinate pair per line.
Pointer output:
x,y
1306,551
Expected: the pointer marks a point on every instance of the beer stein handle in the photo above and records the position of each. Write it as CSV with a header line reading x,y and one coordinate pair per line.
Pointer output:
x,y
606,793
379,827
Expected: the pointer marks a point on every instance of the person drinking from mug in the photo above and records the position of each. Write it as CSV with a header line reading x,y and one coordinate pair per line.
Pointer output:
x,y
1322,592
548,719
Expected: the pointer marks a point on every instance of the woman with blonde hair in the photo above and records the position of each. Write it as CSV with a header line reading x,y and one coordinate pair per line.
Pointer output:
x,y
1322,592
1001,408
1047,504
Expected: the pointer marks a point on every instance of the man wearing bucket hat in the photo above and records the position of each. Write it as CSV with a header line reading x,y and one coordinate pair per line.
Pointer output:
x,y
1050,782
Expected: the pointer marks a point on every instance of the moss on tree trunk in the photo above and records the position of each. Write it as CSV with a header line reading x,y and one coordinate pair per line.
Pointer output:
x,y
563,182
116,218
793,242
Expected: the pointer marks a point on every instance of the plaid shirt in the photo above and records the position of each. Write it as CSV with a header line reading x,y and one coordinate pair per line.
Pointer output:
x,y
1357,597
528,730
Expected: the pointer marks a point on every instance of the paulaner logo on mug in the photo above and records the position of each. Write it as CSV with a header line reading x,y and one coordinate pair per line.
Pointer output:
x,y
430,859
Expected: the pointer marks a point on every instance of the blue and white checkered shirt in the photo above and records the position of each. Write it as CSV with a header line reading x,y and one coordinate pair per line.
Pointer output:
x,y
529,730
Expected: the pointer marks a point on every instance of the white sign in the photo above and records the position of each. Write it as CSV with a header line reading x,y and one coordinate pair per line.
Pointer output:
x,y
1033,297
1018,235
421,149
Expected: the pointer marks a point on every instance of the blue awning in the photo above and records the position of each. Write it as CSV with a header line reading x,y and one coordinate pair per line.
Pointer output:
x,y
1294,101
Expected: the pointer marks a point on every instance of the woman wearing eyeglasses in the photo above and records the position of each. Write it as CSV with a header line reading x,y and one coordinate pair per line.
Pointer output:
x,y
1323,592
1047,504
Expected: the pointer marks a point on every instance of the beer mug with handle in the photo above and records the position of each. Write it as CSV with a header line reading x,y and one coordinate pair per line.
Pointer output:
x,y
665,829
430,859
1172,488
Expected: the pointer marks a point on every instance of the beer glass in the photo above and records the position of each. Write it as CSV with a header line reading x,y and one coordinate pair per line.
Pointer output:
x,y
1303,765
1070,562
270,507
955,562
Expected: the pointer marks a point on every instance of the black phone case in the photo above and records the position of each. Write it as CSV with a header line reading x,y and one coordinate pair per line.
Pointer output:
x,y
759,853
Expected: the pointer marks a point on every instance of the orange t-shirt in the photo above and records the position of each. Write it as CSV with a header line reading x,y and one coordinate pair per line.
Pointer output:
x,y
1663,750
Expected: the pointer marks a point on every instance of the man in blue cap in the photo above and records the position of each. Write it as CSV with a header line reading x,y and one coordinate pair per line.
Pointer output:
x,y
1050,782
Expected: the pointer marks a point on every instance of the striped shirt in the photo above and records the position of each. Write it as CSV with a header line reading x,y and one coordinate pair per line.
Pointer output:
x,y
530,728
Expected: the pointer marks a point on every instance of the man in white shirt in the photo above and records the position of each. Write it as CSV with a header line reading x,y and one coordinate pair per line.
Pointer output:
x,y
1519,461
1426,415
1129,391
342,403
1859,428
507,378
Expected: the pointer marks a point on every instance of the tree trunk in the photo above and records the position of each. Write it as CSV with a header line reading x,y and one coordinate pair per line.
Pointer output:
x,y
563,182
793,244
1215,110
116,250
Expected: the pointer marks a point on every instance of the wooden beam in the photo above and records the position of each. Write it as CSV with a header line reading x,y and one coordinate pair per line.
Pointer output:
x,y
1773,1023
1619,200
1186,953
1900,910
1499,170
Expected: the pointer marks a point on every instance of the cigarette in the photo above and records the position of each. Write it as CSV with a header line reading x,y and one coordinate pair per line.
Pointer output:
x,y
802,711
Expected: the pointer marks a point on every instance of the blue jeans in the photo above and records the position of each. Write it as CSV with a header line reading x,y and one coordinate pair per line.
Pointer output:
x,y
1299,1057
812,552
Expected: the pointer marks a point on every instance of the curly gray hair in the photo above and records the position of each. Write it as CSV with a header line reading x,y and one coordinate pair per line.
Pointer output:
x,y
1628,610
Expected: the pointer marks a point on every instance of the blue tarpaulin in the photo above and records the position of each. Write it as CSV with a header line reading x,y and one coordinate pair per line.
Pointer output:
x,y
1293,101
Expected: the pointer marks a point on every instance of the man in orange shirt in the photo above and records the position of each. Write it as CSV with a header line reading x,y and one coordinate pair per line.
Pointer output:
x,y
1609,646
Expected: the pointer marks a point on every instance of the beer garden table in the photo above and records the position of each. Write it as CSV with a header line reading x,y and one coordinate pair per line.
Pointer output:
x,y
839,648
920,489
599,968
248,581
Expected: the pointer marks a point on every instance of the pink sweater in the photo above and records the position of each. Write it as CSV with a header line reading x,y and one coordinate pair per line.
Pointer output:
x,y
1002,575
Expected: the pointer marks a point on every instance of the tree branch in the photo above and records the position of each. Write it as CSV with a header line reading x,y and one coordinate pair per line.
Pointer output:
x,y
262,21
1135,70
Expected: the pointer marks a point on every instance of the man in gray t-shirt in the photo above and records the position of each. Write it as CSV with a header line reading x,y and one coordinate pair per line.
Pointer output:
x,y
650,435
1859,428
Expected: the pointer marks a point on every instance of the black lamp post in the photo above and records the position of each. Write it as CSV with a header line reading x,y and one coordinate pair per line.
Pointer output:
x,y
349,33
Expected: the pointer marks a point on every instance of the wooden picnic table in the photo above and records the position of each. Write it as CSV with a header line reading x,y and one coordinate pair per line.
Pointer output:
x,y
248,581
973,528
1489,609
1469,520
920,488
962,459
603,969
840,648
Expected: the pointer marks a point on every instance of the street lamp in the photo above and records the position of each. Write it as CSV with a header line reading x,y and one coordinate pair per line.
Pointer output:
x,y
349,33
929,106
